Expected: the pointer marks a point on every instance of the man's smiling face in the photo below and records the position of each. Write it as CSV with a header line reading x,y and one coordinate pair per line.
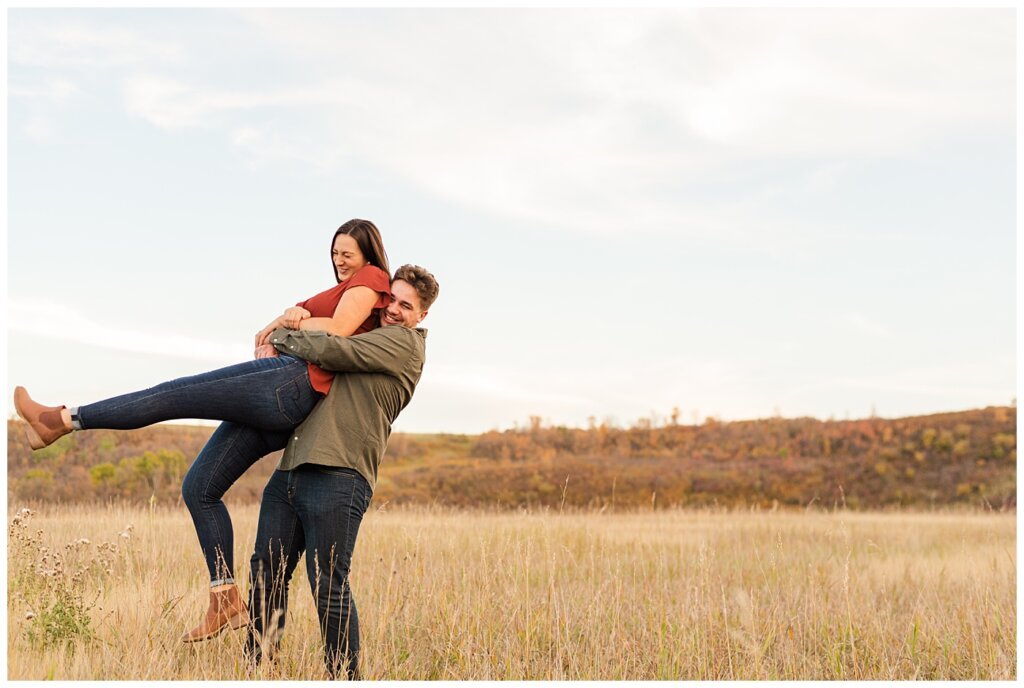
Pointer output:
x,y
405,307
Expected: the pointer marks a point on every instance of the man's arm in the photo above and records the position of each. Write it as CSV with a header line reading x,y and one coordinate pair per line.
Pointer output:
x,y
377,351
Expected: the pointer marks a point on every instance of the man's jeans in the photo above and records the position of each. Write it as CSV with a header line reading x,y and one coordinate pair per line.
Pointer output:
x,y
262,400
314,510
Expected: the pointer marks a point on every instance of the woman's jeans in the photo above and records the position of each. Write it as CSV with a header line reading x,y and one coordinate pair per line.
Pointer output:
x,y
266,393
313,510
262,401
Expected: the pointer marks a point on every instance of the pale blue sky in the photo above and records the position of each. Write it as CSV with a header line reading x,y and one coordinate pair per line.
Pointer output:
x,y
736,212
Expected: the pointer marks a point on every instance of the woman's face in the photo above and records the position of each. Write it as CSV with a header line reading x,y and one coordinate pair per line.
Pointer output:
x,y
346,256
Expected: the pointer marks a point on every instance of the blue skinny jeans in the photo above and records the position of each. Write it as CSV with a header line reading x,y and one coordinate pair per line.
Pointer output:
x,y
261,402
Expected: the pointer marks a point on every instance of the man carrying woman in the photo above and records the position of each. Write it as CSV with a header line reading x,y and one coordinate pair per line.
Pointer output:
x,y
261,402
316,499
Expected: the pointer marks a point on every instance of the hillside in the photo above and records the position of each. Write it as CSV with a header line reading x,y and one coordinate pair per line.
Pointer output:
x,y
964,457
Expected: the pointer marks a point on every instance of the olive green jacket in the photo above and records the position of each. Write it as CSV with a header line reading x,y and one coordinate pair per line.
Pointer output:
x,y
351,425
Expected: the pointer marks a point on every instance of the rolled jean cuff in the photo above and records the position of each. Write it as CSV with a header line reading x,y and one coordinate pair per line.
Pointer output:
x,y
222,581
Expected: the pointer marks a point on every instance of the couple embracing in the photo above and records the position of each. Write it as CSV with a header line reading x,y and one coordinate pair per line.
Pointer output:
x,y
329,377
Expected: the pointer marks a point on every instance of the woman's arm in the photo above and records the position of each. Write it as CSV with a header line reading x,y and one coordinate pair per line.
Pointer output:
x,y
355,306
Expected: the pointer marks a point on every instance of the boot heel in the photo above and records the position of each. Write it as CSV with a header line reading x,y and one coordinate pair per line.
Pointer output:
x,y
34,440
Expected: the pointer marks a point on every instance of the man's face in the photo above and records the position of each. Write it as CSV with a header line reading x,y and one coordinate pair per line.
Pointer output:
x,y
405,306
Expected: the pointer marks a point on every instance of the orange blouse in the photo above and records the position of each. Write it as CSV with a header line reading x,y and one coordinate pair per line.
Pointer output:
x,y
325,303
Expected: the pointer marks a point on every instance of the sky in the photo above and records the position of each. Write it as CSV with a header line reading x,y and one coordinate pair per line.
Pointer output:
x,y
737,213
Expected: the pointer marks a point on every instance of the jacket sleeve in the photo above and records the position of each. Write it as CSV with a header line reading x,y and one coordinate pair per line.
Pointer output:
x,y
377,351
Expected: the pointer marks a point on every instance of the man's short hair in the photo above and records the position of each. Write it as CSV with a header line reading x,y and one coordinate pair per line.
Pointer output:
x,y
422,281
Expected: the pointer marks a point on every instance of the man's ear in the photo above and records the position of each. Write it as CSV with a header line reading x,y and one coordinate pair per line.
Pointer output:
x,y
422,315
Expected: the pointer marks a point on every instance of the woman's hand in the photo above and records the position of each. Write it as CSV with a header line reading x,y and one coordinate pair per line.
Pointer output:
x,y
266,351
291,319
263,335
293,316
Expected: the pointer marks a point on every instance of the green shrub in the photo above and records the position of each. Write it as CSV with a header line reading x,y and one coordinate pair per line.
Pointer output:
x,y
64,620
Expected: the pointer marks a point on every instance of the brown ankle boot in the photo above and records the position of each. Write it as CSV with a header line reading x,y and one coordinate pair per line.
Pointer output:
x,y
226,609
45,426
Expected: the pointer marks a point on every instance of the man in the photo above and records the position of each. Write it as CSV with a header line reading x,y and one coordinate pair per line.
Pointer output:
x,y
316,499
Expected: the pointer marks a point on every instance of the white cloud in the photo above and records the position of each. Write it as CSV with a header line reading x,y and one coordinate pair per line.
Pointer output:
x,y
58,321
170,103
972,381
497,383
578,119
571,118
860,323
175,104
166,103
721,127
265,146
39,129
56,90
81,46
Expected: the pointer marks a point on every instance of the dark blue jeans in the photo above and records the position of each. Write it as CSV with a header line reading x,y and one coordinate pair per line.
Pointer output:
x,y
312,510
262,401
266,393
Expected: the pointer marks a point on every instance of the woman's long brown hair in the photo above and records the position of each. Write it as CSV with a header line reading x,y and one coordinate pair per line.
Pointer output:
x,y
368,239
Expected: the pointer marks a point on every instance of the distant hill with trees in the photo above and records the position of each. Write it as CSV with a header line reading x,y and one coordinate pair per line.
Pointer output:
x,y
966,457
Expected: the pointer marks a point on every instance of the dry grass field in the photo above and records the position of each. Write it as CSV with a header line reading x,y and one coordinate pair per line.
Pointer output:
x,y
103,593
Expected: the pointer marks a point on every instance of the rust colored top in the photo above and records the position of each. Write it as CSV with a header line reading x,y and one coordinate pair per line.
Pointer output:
x,y
325,303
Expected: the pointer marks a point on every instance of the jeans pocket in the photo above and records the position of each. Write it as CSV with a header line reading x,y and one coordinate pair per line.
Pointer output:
x,y
291,402
335,470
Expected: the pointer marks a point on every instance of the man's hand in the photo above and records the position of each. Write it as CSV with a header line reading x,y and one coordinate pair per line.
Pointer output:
x,y
266,351
293,316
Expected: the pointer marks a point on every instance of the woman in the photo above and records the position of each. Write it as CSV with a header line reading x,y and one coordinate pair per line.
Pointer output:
x,y
262,401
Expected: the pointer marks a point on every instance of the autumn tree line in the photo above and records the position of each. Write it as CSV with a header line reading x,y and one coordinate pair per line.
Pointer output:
x,y
965,457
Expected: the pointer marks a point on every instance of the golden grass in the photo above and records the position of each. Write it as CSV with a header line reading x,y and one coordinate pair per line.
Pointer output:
x,y
473,595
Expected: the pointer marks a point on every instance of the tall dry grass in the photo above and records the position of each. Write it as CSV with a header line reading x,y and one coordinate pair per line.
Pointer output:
x,y
473,595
